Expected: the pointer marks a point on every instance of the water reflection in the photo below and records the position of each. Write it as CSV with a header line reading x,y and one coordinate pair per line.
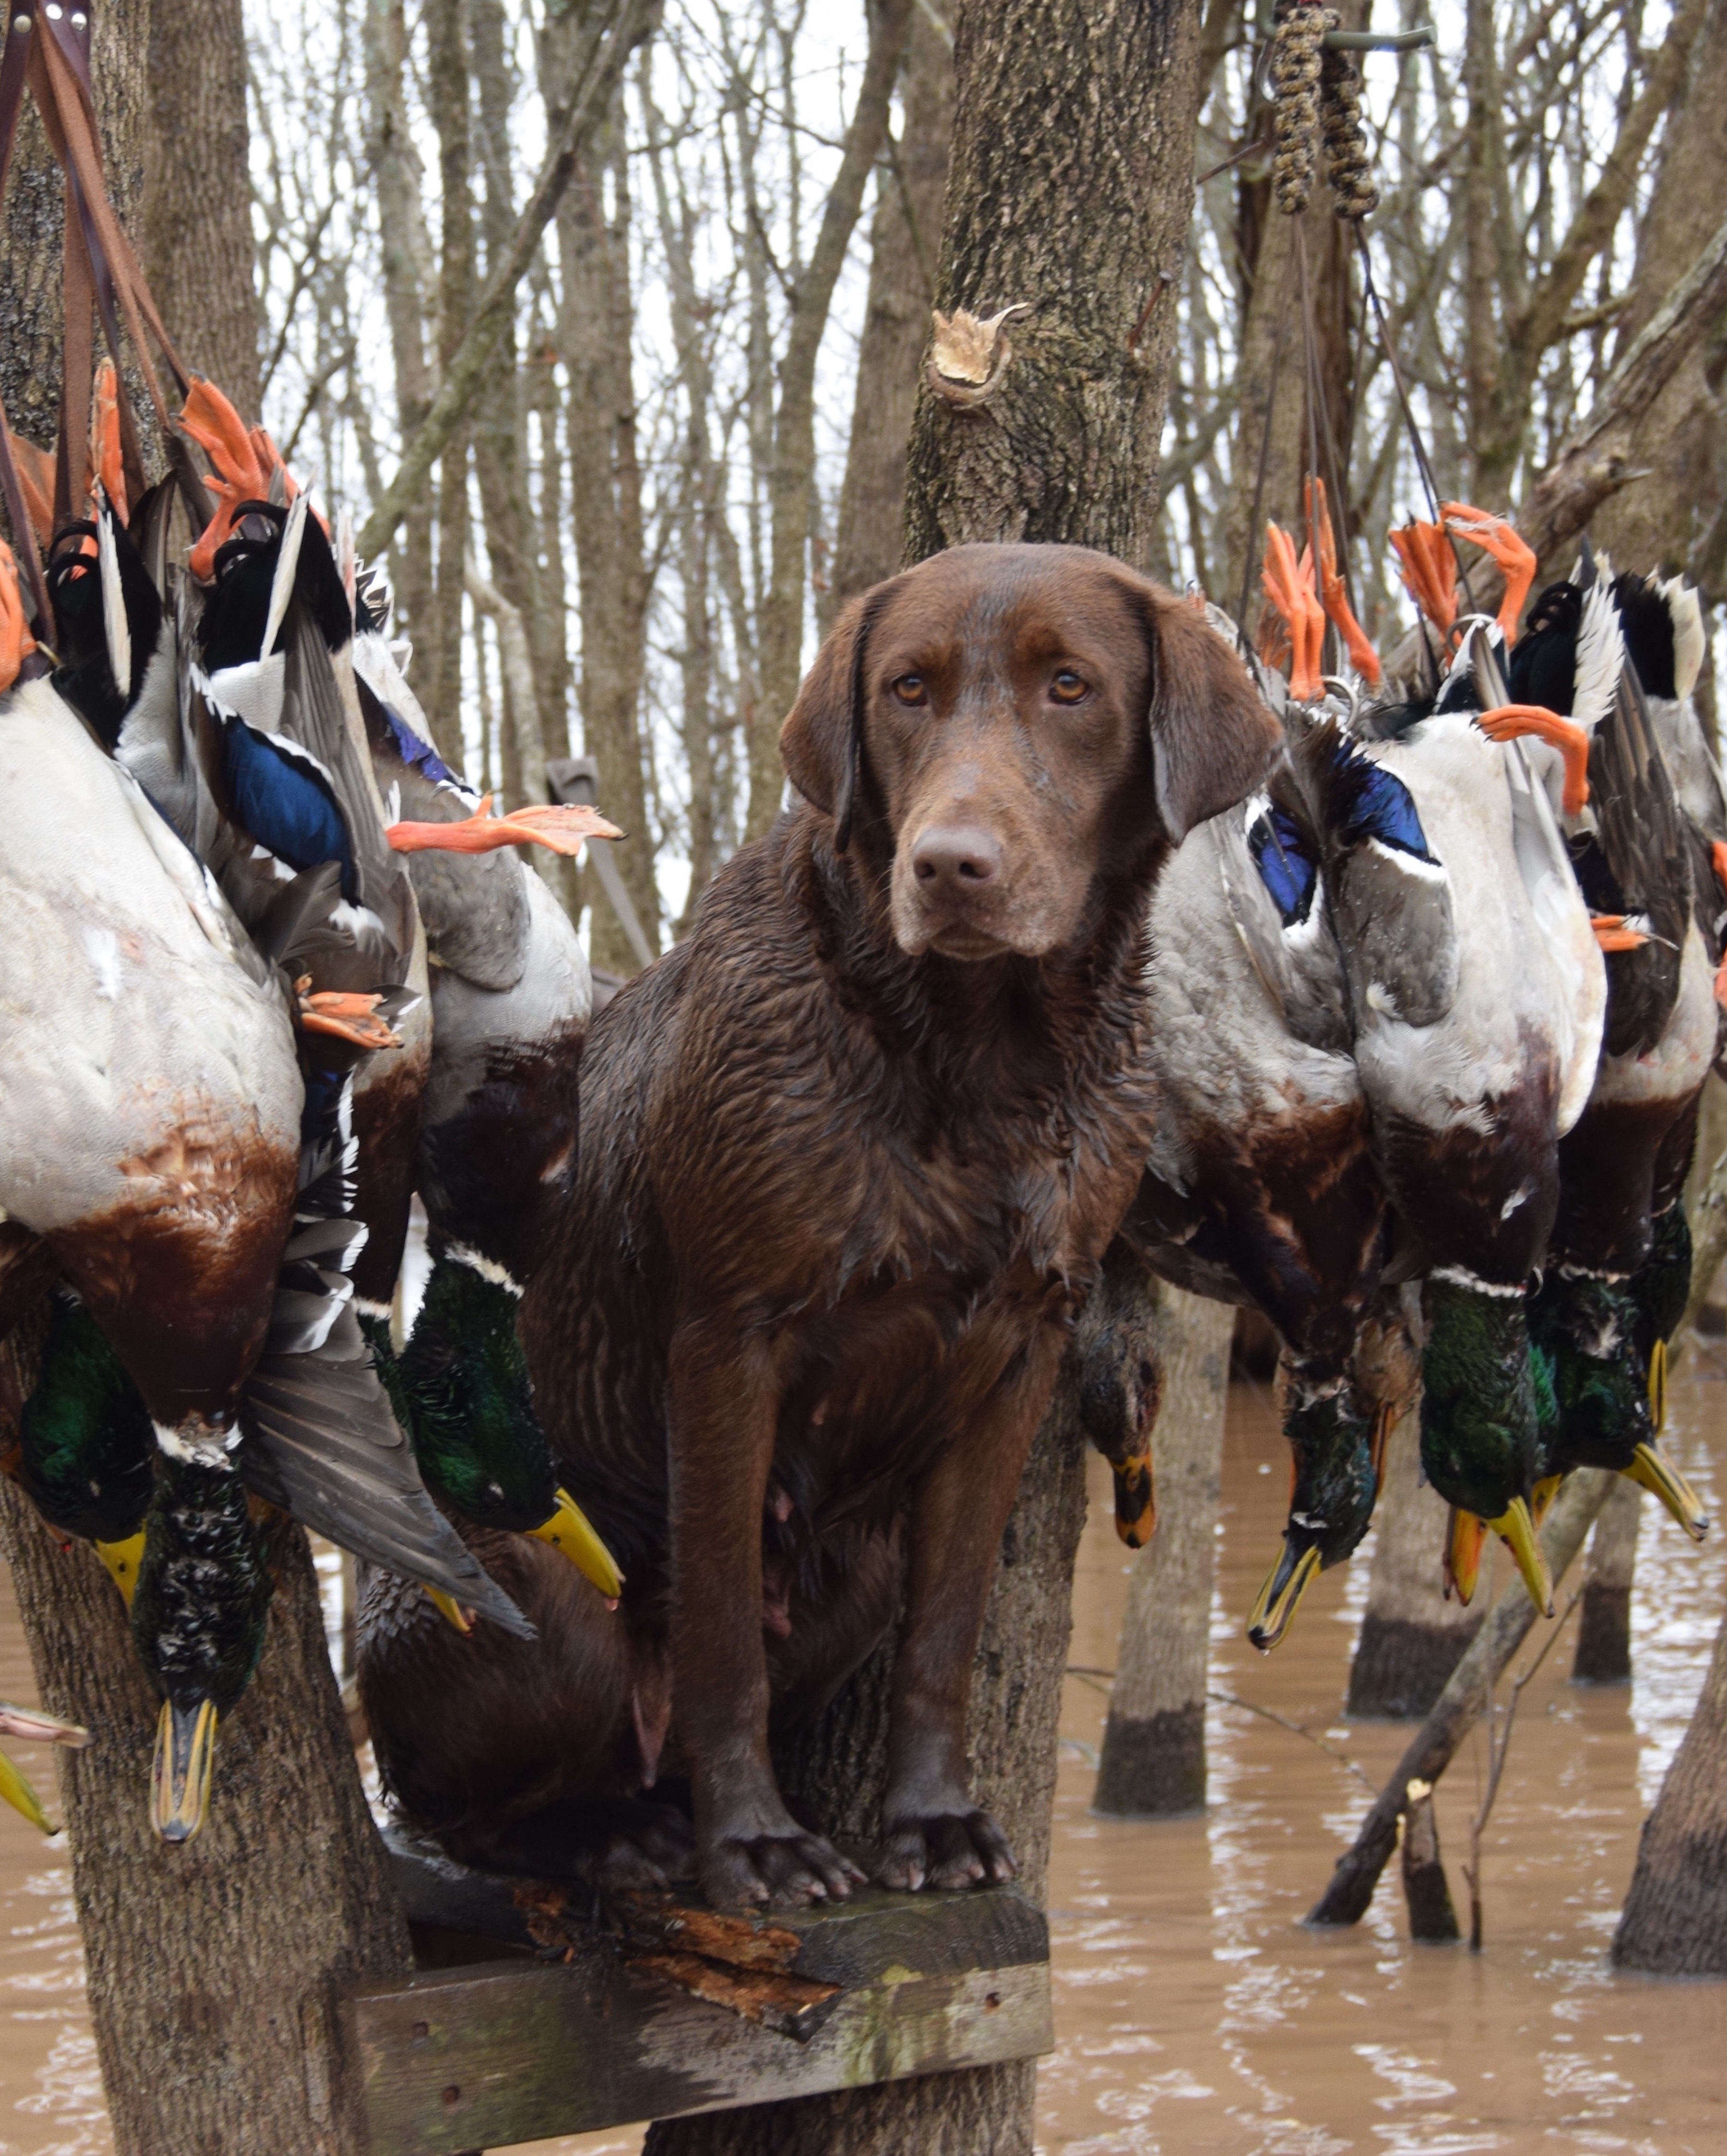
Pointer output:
x,y
1193,2014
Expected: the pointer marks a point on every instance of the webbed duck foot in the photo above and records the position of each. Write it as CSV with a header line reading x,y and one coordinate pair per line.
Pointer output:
x,y
570,1531
1296,1567
561,826
1510,722
180,1772
1496,536
1614,932
350,1018
1651,1470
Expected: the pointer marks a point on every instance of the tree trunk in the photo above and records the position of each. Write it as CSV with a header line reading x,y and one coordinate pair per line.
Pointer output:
x,y
1603,1652
30,253
1412,1637
1070,193
405,253
1071,182
1154,1755
1296,432
198,251
211,1966
1665,517
595,327
1674,1921
903,243
447,99
791,475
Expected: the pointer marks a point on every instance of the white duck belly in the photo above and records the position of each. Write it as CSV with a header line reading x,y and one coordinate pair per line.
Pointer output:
x,y
150,1063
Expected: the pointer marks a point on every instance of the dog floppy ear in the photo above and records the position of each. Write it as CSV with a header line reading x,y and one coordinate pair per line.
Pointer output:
x,y
822,741
1213,741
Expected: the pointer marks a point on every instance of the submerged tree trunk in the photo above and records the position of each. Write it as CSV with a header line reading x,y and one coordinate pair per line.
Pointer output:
x,y
1071,183
197,246
1154,1755
212,1967
1412,1637
1603,1654
1674,1921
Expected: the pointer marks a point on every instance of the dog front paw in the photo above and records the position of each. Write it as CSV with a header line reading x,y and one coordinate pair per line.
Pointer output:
x,y
945,1849
784,1870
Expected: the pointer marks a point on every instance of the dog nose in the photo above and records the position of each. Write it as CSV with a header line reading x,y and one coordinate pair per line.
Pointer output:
x,y
956,857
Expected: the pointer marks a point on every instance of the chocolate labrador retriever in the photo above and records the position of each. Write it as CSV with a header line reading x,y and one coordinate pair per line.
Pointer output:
x,y
850,1156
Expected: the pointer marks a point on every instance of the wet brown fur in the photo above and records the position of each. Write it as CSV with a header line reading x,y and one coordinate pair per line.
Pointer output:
x,y
838,1197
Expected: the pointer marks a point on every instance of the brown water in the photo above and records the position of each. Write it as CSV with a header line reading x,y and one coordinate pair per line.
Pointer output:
x,y
1192,2013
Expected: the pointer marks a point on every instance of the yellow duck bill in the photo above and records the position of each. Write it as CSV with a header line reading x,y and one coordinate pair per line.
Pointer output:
x,y
19,1793
451,1612
1516,1525
1657,1386
1651,1470
1465,1539
1287,1582
569,1530
180,1773
121,1560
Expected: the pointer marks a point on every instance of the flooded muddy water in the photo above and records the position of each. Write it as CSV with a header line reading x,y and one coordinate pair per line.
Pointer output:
x,y
1192,2012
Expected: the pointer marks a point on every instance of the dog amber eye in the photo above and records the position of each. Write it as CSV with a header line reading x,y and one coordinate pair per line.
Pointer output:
x,y
909,690
1068,688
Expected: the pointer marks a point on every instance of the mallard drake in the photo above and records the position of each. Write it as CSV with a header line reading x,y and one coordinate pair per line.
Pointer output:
x,y
87,1450
1643,861
511,997
1262,1185
198,1617
1469,1105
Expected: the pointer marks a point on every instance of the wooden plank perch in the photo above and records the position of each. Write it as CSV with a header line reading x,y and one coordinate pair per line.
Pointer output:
x,y
675,2008
1460,1706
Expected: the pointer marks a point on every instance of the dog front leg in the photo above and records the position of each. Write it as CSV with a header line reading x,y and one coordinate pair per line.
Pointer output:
x,y
723,1407
934,1835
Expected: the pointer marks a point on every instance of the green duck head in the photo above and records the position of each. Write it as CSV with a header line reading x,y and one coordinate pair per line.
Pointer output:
x,y
198,1619
1590,1331
1660,1288
464,1381
1480,1430
1334,1455
88,1451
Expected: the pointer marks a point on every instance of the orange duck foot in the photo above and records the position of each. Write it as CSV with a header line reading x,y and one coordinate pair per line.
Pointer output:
x,y
1495,536
1611,932
1334,592
1513,721
1289,588
345,1017
1429,571
561,828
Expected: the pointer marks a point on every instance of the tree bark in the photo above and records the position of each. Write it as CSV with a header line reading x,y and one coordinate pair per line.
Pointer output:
x,y
1154,1757
30,256
1603,1649
904,238
212,1967
1665,518
595,325
1412,1637
404,247
1459,1706
1298,431
1674,1921
198,248
1072,177
792,476
448,97
1070,193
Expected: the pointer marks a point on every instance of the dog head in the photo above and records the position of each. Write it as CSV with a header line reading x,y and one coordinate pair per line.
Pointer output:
x,y
1013,724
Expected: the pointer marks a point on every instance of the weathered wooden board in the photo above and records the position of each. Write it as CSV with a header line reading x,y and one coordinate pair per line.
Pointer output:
x,y
501,2052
